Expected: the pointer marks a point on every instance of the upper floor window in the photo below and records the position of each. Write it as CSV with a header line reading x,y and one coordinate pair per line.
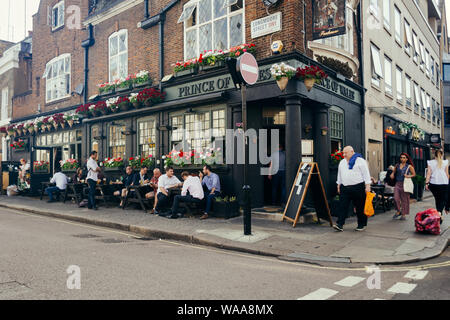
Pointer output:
x,y
408,37
417,102
399,82
57,75
446,71
387,14
432,64
336,128
416,48
374,7
427,62
212,25
408,91
428,107
118,55
377,71
58,15
388,75
422,55
397,25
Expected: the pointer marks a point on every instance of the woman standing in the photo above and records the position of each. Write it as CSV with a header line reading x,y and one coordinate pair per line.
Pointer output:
x,y
437,179
403,169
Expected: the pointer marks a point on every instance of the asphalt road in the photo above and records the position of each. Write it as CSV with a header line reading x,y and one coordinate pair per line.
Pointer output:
x,y
37,252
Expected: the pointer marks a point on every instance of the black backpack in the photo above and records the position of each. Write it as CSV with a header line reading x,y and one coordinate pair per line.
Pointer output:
x,y
388,180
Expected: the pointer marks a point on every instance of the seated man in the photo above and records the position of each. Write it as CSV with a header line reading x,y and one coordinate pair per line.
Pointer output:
x,y
60,180
127,181
166,182
212,183
154,185
141,178
194,187
78,176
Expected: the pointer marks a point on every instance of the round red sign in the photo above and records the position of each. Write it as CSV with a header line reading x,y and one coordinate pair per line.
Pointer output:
x,y
248,67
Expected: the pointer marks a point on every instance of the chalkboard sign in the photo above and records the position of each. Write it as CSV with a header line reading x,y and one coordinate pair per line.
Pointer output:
x,y
308,178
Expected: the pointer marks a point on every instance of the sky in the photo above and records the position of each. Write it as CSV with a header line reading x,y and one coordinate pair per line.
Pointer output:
x,y
15,11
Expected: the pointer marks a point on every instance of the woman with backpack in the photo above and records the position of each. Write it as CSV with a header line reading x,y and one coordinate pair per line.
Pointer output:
x,y
403,170
437,180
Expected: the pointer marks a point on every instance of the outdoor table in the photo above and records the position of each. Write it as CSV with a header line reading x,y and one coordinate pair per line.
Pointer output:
x,y
45,185
75,191
136,194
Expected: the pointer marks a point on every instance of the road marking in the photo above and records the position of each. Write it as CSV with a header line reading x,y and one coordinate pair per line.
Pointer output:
x,y
379,299
416,274
401,287
349,281
320,294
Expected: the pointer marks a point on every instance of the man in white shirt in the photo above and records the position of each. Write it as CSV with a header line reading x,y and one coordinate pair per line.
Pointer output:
x,y
92,177
166,182
194,187
60,180
353,182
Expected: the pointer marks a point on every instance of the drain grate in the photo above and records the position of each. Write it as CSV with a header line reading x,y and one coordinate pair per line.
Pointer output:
x,y
112,241
86,236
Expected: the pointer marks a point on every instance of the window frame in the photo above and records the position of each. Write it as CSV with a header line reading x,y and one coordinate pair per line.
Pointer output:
x,y
387,85
408,38
428,100
377,75
198,25
138,136
339,112
117,55
398,28
417,99
408,100
416,47
108,140
48,81
387,22
399,94
57,7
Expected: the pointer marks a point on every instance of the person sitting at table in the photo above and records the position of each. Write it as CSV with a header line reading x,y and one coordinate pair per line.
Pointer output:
x,y
194,187
141,178
127,181
165,182
60,180
78,176
154,185
212,183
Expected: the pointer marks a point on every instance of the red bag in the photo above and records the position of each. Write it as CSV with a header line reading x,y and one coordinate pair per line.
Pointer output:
x,y
428,221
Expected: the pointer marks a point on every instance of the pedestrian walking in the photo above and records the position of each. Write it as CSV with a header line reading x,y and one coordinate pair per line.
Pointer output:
x,y
437,180
92,178
403,169
353,182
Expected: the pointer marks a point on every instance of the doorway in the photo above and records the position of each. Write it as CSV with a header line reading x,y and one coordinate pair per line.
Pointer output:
x,y
374,158
57,157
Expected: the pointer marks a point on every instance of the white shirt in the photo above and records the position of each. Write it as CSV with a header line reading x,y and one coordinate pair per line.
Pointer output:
x,y
166,182
194,186
60,179
360,173
438,175
92,166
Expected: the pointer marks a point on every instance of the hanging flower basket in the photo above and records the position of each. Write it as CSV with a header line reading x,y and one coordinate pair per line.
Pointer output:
x,y
310,75
31,130
282,83
70,122
309,83
282,74
123,103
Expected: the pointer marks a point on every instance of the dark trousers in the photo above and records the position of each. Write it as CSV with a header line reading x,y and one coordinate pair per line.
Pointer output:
x,y
439,192
279,183
186,198
163,201
51,190
91,197
209,199
357,195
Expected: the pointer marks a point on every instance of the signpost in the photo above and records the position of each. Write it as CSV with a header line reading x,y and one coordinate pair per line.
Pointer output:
x,y
244,71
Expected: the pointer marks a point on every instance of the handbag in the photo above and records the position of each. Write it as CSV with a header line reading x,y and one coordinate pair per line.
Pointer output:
x,y
408,185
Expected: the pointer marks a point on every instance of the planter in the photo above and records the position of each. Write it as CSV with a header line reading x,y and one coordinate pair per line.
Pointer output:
x,y
218,65
43,128
118,89
282,83
40,171
31,130
11,133
49,127
418,192
324,132
148,103
309,83
137,105
55,125
70,122
104,112
143,84
186,72
19,149
112,169
107,93
225,210
124,106
69,171
62,125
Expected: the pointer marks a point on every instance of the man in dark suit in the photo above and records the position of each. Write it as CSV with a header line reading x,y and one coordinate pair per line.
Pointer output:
x,y
127,180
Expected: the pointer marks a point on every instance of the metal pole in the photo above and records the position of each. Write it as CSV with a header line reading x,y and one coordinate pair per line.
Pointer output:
x,y
246,187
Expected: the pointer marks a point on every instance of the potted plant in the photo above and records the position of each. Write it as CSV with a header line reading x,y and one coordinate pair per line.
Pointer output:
x,y
20,129
134,100
84,110
150,96
310,75
48,122
18,145
101,108
419,185
3,131
226,207
41,166
113,164
141,79
282,74
69,165
11,130
58,120
112,104
29,126
106,88
324,130
211,60
123,103
336,157
307,128
124,84
138,162
186,68
237,51
72,118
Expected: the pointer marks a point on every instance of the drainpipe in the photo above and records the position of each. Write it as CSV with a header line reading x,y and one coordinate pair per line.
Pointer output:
x,y
147,15
86,44
358,24
161,47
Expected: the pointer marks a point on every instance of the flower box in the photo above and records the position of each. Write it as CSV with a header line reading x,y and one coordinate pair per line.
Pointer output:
x,y
106,93
121,89
225,209
148,83
186,72
69,171
112,169
41,171
217,65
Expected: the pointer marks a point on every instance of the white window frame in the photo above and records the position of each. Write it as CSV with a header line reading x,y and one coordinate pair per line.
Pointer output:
x,y
117,55
408,38
428,107
53,80
424,101
59,7
387,14
399,84
374,8
432,69
388,76
184,18
417,98
408,97
427,62
5,104
397,25
377,69
422,55
416,48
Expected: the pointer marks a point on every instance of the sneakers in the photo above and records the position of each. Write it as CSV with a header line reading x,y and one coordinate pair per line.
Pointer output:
x,y
338,228
360,228
203,217
397,215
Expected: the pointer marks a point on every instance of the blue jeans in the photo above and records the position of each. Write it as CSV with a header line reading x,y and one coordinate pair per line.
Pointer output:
x,y
51,190
91,198
279,182
209,200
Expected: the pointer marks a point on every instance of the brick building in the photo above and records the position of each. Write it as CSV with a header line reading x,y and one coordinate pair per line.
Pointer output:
x,y
119,38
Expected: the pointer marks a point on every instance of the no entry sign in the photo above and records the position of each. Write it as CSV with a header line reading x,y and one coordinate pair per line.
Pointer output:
x,y
248,67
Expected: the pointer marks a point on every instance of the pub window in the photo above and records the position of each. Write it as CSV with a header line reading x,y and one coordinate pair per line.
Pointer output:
x,y
58,15
408,91
116,141
377,71
388,75
212,24
118,55
95,133
219,126
336,128
274,116
147,137
178,127
57,75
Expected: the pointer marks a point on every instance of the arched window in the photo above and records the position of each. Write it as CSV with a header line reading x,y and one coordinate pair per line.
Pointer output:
x,y
57,75
336,119
118,55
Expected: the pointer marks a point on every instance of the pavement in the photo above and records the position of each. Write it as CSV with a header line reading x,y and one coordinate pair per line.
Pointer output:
x,y
385,241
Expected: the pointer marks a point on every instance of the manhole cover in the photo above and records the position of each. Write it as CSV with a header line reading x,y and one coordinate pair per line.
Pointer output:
x,y
12,289
86,236
112,241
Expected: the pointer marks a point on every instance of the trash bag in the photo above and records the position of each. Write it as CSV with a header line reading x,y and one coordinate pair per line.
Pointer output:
x,y
368,207
428,221
12,190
